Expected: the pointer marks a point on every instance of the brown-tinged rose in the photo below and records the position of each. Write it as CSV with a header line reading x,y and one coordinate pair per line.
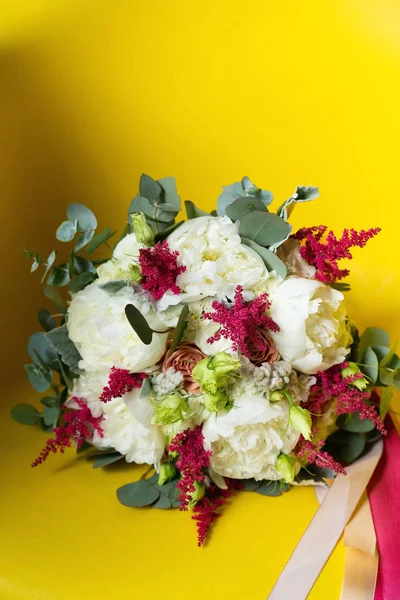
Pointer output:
x,y
269,354
183,359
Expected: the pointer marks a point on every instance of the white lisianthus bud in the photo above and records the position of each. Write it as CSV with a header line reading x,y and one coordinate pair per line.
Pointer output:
x,y
300,419
285,465
167,472
143,231
199,491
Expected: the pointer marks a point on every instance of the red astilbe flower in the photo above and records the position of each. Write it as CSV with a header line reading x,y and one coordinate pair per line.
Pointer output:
x,y
160,269
324,256
314,454
206,512
349,399
192,461
79,425
120,382
243,323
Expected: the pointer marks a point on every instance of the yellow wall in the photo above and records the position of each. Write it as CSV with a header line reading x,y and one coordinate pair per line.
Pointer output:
x,y
94,93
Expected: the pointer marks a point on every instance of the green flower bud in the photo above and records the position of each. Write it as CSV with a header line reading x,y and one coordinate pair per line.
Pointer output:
x,y
199,491
353,369
300,419
170,409
167,472
215,402
144,233
285,465
276,396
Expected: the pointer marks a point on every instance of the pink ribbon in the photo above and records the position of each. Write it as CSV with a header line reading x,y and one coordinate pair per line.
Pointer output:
x,y
384,496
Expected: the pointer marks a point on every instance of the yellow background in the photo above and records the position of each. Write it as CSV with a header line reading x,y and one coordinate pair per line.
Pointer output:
x,y
94,93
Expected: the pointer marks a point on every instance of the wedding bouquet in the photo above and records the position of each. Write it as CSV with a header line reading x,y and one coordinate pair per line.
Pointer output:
x,y
216,350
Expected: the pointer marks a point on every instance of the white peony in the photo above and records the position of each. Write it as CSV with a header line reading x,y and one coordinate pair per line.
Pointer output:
x,y
101,332
126,428
88,387
215,260
246,441
313,332
199,329
125,256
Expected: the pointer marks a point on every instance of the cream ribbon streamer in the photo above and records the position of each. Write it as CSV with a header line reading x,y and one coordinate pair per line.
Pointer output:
x,y
324,531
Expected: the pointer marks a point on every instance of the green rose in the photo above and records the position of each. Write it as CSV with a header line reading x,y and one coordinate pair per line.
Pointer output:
x,y
285,465
214,374
170,409
167,472
144,233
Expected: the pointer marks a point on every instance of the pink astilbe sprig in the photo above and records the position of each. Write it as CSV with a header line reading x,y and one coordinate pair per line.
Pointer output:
x,y
160,269
324,255
192,461
331,385
206,512
313,454
79,425
243,322
120,382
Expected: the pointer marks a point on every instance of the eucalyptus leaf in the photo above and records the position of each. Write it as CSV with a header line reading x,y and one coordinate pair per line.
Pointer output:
x,y
153,212
180,328
50,415
170,194
250,485
149,188
82,265
108,459
50,401
390,377
346,446
124,233
81,281
271,260
302,194
272,488
59,276
390,360
38,377
86,219
340,287
65,347
83,239
46,320
65,374
113,287
229,194
54,295
243,206
162,235
66,231
372,336
139,493
369,365
49,263
35,266
168,495
39,345
192,211
354,423
385,401
139,324
265,229
99,239
25,414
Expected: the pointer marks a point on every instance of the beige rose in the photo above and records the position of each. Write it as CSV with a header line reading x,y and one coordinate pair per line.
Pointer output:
x,y
269,355
183,359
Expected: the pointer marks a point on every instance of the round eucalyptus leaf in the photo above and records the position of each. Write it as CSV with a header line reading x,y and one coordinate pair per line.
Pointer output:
x,y
250,485
83,239
264,228
66,231
46,320
272,488
82,265
99,239
50,415
86,219
108,459
369,365
139,493
271,260
163,502
149,188
40,349
26,414
59,276
81,281
170,193
39,378
243,206
354,447
354,423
